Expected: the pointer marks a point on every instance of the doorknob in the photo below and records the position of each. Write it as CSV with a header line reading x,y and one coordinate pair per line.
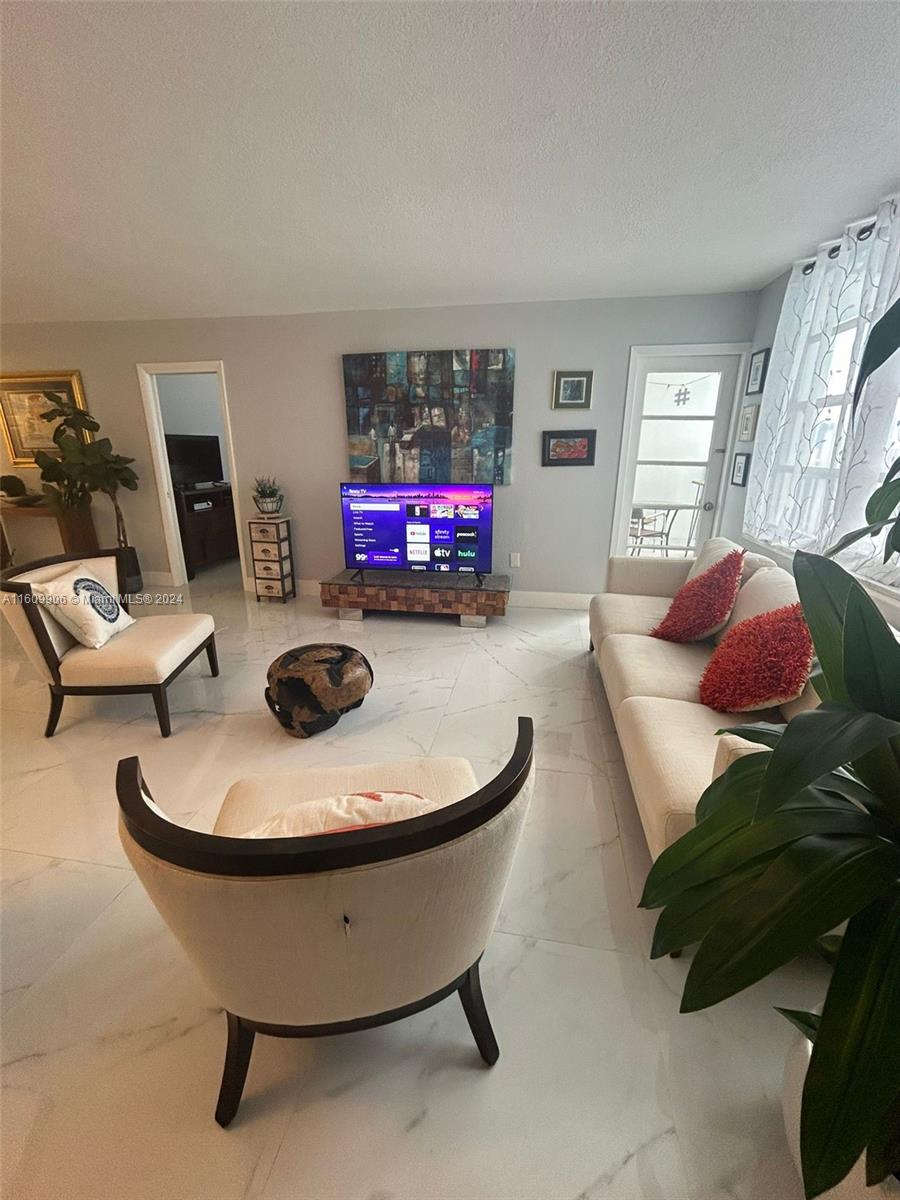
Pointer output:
x,y
708,506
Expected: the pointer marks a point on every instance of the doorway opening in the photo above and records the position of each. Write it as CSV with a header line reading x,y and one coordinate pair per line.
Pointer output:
x,y
679,409
193,460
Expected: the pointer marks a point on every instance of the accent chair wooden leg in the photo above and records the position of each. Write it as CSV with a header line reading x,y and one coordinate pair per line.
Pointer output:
x,y
161,700
237,1062
56,703
212,656
477,1016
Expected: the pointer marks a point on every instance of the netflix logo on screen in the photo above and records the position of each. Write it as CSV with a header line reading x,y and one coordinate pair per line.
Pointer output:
x,y
418,526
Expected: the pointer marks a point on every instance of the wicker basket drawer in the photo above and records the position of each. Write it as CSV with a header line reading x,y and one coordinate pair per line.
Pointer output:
x,y
269,587
265,570
269,551
268,531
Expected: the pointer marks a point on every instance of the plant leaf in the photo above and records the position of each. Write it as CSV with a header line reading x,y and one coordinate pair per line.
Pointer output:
x,y
829,947
892,541
823,588
740,778
883,340
691,915
810,888
763,732
855,1064
713,849
883,1150
871,657
806,1022
816,742
883,501
854,536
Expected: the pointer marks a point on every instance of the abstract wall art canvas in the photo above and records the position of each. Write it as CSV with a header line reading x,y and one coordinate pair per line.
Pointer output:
x,y
430,416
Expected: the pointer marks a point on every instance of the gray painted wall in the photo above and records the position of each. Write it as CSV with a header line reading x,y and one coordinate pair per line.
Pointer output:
x,y
770,301
285,394
190,404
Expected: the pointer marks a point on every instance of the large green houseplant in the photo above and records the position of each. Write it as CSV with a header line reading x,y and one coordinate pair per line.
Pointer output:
x,y
84,467
794,840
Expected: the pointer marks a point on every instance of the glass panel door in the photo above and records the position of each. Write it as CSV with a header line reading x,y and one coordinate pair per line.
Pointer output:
x,y
677,451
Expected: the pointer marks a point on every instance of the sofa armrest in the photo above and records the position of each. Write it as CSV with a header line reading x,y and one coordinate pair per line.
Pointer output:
x,y
632,576
729,749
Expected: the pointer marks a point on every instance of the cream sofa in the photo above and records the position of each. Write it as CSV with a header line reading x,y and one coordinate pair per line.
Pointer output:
x,y
668,737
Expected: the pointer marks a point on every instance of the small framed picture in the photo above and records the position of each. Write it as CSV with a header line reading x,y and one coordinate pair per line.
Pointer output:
x,y
747,423
756,377
572,389
568,447
740,469
23,400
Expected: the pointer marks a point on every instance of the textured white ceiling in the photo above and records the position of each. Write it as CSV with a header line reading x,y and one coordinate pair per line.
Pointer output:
x,y
182,159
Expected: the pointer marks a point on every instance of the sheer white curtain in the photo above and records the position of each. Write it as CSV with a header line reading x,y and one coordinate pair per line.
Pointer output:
x,y
812,469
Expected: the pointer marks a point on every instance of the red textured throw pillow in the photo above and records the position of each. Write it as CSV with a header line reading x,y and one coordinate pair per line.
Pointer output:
x,y
761,663
703,605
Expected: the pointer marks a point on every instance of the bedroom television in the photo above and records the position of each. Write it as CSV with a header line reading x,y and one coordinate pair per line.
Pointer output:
x,y
418,527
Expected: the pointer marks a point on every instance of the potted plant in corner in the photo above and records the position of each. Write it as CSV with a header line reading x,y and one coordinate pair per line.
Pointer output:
x,y
795,840
267,495
83,468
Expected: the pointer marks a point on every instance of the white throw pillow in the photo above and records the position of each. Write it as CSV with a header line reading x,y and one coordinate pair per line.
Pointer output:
x,y
339,814
83,606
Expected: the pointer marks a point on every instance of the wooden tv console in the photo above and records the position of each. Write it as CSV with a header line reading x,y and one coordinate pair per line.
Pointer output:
x,y
352,592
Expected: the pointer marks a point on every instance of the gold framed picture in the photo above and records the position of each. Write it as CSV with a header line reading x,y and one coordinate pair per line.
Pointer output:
x,y
22,401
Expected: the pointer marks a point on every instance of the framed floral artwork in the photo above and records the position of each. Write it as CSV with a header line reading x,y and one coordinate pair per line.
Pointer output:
x,y
22,401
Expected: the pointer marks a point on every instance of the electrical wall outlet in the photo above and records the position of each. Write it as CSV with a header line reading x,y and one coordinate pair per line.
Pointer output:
x,y
515,559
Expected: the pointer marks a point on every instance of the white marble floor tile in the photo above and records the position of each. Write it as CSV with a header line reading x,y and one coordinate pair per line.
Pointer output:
x,y
46,903
111,1073
568,880
567,1112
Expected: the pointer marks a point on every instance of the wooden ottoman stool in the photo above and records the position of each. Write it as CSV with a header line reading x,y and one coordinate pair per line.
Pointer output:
x,y
311,687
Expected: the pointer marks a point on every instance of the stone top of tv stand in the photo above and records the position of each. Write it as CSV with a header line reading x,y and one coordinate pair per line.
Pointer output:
x,y
441,581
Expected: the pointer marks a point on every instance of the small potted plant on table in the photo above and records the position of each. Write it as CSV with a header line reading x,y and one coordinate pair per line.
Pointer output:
x,y
267,495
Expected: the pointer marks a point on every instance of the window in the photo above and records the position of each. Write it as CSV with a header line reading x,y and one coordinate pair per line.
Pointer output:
x,y
814,467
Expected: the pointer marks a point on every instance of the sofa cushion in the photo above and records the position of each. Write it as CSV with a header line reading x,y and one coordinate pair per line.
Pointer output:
x,y
615,613
633,665
717,547
146,652
763,592
251,801
669,747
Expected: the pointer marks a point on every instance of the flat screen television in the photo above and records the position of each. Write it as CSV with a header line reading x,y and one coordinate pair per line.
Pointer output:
x,y
418,527
194,458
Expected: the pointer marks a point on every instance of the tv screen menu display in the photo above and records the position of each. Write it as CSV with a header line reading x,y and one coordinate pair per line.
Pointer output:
x,y
416,527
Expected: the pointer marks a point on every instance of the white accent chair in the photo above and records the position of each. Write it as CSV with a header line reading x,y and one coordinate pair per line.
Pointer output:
x,y
336,932
144,658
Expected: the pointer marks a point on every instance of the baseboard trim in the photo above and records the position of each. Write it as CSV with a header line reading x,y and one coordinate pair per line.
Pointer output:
x,y
568,600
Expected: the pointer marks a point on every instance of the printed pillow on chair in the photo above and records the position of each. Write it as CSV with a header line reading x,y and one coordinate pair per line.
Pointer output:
x,y
83,606
762,662
702,606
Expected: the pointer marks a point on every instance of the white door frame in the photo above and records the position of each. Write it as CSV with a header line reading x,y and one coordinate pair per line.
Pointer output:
x,y
147,373
631,426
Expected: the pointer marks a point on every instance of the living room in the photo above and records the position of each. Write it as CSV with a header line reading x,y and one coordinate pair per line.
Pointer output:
x,y
374,379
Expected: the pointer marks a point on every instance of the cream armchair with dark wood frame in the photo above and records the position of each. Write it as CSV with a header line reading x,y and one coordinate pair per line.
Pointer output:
x,y
337,932
144,658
